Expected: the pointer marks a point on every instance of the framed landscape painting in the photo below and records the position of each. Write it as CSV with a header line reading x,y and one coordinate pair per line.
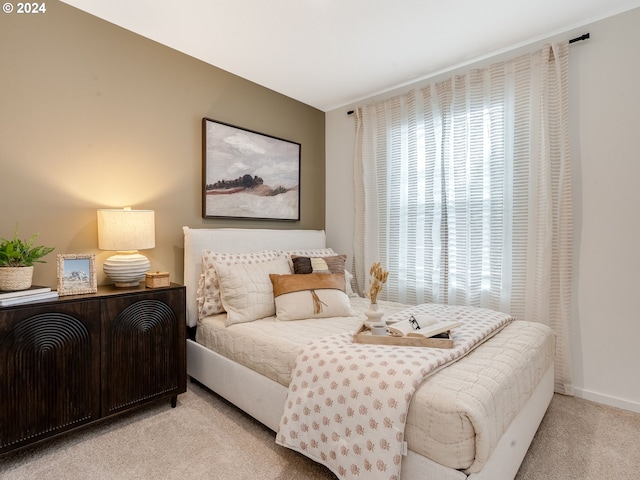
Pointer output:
x,y
248,174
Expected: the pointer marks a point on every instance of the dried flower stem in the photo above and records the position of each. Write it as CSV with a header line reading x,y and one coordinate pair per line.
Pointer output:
x,y
378,278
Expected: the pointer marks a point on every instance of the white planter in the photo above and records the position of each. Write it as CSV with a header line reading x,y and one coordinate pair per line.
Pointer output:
x,y
15,278
374,315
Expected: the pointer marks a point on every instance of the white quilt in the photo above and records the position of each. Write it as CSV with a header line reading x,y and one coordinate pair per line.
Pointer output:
x,y
347,403
270,347
456,417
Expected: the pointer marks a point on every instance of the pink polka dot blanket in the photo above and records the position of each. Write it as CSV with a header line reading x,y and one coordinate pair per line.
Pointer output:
x,y
347,402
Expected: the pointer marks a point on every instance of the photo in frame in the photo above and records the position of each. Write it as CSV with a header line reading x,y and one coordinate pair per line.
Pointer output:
x,y
247,174
77,274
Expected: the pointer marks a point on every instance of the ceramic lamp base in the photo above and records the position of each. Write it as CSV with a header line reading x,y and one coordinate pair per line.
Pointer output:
x,y
126,269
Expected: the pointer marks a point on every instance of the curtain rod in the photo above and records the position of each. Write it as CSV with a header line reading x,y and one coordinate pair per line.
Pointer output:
x,y
584,36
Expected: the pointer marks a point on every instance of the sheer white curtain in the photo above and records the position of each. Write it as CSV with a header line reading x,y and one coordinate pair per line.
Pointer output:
x,y
463,192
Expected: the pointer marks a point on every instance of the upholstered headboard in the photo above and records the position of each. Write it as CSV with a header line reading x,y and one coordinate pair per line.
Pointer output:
x,y
236,240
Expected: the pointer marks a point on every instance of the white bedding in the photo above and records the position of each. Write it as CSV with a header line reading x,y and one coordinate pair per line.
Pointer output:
x,y
456,418
270,347
476,414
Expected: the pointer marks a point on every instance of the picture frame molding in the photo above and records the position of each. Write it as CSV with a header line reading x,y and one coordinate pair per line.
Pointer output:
x,y
65,287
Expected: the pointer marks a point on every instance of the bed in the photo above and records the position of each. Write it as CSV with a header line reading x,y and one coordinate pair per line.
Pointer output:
x,y
473,419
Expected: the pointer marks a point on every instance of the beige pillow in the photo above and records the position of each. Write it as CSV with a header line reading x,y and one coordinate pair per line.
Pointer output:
x,y
208,293
312,295
246,291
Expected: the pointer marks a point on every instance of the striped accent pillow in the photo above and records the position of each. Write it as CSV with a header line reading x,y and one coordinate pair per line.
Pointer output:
x,y
332,264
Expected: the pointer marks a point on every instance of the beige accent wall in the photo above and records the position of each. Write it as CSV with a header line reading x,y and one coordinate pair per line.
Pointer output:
x,y
94,116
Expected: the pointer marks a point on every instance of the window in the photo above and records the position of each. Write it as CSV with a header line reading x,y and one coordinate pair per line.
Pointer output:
x,y
440,190
463,192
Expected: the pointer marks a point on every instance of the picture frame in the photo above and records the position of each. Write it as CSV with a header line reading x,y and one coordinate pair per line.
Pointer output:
x,y
77,274
249,175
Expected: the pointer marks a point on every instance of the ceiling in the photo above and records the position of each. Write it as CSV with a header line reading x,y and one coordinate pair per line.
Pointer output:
x,y
331,53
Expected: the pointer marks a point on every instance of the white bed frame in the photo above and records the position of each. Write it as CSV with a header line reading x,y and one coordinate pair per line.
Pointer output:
x,y
233,381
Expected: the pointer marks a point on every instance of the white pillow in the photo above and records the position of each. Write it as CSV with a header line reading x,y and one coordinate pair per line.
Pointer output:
x,y
246,290
208,294
310,252
298,305
319,295
348,278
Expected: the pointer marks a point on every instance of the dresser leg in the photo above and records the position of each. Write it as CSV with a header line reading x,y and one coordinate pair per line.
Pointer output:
x,y
174,401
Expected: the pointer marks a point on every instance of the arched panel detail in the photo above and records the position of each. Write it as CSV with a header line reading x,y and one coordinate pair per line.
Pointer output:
x,y
46,385
70,361
139,339
144,316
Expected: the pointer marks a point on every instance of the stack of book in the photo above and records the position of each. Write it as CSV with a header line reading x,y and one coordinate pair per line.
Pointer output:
x,y
33,294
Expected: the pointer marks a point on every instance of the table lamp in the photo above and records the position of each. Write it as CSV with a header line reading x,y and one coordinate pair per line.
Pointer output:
x,y
126,231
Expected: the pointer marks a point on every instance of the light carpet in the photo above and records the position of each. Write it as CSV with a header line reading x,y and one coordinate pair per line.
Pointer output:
x,y
205,437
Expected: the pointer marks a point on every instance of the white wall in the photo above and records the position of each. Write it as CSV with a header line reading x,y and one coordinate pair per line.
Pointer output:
x,y
604,106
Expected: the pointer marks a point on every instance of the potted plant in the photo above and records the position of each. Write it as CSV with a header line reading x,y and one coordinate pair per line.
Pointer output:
x,y
16,261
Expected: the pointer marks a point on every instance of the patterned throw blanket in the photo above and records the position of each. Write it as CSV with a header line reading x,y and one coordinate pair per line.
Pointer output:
x,y
347,402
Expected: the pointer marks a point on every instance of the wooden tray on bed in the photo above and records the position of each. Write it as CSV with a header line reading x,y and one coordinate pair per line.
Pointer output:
x,y
363,335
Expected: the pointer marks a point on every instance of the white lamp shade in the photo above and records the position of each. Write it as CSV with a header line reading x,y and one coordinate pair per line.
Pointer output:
x,y
126,230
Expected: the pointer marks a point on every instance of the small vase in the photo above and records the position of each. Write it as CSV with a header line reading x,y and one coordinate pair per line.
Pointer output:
x,y
374,314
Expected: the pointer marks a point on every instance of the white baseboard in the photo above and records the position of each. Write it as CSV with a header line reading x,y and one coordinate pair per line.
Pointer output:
x,y
607,400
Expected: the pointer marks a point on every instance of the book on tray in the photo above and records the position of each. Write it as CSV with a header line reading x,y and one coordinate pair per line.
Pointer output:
x,y
420,326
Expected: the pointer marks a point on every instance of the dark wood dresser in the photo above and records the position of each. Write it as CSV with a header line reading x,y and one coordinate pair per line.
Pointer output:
x,y
74,360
